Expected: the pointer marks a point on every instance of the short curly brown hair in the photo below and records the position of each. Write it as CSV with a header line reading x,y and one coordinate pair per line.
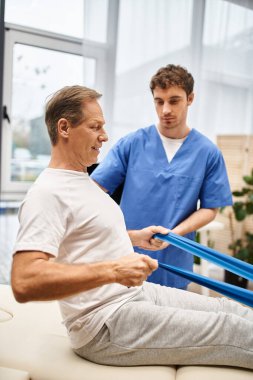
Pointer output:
x,y
173,75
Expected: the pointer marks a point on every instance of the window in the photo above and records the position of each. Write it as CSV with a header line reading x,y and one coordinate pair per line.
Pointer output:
x,y
66,17
48,44
211,38
38,72
35,67
148,38
227,57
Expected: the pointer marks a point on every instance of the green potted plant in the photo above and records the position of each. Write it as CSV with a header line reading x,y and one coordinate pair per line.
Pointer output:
x,y
242,246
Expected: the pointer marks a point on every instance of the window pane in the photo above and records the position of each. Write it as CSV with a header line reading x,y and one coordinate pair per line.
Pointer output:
x,y
37,73
151,34
78,18
227,38
148,31
64,17
95,20
226,97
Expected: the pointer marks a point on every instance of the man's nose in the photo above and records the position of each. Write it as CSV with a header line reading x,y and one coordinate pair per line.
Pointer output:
x,y
166,108
103,136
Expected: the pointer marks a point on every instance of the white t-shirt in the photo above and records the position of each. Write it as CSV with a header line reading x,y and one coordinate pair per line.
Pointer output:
x,y
67,215
171,146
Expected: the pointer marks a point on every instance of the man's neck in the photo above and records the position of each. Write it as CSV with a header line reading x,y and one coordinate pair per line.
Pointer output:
x,y
61,161
174,133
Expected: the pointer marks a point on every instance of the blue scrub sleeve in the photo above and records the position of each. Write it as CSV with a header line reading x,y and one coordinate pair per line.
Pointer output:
x,y
215,190
111,172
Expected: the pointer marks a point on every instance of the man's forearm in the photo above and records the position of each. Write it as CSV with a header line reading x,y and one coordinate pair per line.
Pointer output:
x,y
198,219
36,278
42,279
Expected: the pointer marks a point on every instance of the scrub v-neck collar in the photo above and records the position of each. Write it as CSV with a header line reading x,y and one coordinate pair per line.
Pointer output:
x,y
160,151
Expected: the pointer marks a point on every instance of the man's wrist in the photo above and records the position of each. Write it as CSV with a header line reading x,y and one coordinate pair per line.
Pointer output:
x,y
134,237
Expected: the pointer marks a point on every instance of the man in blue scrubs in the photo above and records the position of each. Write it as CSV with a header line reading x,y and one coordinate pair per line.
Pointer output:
x,y
173,175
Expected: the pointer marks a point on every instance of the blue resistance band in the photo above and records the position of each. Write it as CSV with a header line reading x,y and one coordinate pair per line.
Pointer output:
x,y
230,263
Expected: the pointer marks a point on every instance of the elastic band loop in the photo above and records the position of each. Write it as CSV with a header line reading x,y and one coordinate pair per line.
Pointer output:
x,y
230,263
239,294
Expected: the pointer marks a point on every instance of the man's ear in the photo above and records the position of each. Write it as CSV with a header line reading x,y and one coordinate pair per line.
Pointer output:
x,y
190,99
63,128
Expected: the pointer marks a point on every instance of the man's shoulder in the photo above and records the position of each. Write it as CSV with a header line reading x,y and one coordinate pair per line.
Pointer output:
x,y
49,185
204,141
139,134
40,190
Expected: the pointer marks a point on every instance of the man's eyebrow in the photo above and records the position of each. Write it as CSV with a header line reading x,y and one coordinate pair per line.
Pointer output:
x,y
96,121
174,97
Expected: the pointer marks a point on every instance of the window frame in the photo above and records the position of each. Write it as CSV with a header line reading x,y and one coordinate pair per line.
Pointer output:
x,y
51,41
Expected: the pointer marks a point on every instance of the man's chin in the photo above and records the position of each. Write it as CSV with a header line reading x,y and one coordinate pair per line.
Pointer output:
x,y
167,126
168,130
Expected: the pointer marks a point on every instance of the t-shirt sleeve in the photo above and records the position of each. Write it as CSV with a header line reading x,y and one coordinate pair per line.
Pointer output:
x,y
215,191
111,172
42,224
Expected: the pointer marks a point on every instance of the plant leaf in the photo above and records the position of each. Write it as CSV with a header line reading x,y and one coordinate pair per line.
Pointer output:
x,y
249,207
248,179
240,214
238,193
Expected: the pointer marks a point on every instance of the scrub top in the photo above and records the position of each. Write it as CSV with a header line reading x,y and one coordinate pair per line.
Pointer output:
x,y
158,192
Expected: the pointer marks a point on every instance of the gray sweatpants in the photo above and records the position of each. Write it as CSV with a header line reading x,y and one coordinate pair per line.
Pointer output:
x,y
167,326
